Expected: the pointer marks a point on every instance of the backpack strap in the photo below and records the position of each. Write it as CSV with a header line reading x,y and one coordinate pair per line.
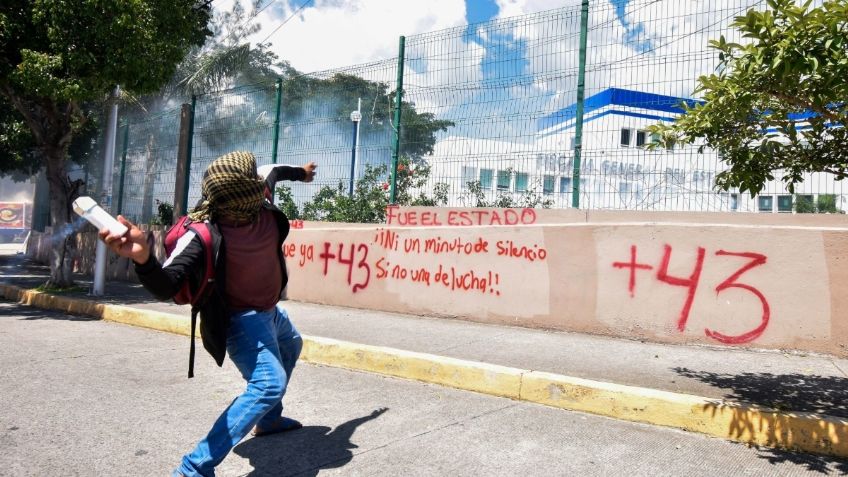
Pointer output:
x,y
191,349
202,230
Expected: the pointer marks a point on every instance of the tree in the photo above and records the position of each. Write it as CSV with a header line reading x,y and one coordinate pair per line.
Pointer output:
x,y
226,58
57,55
777,102
370,196
330,99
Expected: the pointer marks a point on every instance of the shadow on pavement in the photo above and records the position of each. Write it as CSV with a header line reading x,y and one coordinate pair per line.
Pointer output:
x,y
784,392
811,463
28,313
304,452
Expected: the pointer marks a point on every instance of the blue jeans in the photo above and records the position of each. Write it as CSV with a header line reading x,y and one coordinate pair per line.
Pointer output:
x,y
264,345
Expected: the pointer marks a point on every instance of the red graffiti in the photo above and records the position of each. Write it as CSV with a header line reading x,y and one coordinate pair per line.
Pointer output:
x,y
459,218
296,224
350,260
633,266
387,239
457,246
756,260
307,254
449,277
508,249
691,284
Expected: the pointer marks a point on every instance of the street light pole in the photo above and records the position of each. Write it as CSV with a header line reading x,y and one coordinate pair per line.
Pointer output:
x,y
106,202
356,118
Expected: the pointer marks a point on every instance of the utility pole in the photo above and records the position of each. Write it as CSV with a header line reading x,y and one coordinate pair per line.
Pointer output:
x,y
106,199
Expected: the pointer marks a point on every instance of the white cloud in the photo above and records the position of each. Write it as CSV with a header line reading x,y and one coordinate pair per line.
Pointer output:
x,y
511,8
330,34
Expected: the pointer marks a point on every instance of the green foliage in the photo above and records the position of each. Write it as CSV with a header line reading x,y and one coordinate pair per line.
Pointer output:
x,y
368,204
58,55
804,204
164,215
789,73
285,202
17,146
72,50
371,195
227,58
74,289
824,204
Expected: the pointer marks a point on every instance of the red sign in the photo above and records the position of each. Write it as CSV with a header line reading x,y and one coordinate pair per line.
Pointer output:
x,y
11,215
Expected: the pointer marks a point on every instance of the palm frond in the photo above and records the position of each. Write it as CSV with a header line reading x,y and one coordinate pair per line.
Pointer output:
x,y
213,70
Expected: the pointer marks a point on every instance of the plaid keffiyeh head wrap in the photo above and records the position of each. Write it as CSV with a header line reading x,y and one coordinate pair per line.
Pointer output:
x,y
232,188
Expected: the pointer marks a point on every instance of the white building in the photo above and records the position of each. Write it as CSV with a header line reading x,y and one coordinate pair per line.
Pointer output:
x,y
617,172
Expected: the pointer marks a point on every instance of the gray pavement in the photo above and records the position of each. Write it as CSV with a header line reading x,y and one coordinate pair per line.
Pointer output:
x,y
84,397
782,380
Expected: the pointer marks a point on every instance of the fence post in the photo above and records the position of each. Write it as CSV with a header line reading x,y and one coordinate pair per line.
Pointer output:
x,y
181,181
396,121
120,207
581,96
279,86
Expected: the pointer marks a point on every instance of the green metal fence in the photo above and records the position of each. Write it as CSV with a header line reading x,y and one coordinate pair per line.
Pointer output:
x,y
145,165
541,110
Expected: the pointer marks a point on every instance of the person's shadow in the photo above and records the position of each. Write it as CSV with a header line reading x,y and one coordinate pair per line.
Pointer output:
x,y
303,452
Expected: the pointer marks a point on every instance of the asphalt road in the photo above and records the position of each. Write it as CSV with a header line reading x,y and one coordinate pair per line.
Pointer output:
x,y
88,398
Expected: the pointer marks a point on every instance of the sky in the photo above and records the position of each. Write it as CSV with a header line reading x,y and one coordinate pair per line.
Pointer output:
x,y
327,34
494,66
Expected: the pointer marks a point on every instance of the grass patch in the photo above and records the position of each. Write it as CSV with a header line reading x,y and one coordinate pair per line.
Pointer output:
x,y
60,291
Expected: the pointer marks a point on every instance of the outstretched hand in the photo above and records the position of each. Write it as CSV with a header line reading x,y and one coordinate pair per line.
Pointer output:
x,y
310,171
133,244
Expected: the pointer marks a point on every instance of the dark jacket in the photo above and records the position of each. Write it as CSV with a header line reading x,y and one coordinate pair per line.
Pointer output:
x,y
188,260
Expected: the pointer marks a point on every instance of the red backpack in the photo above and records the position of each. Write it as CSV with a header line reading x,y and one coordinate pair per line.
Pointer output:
x,y
185,295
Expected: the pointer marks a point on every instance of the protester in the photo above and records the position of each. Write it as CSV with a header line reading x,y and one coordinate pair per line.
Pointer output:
x,y
242,315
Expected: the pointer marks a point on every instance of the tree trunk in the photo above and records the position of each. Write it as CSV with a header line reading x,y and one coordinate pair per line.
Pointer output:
x,y
64,236
149,177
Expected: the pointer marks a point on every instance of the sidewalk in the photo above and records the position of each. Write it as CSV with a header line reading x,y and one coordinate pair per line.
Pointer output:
x,y
742,379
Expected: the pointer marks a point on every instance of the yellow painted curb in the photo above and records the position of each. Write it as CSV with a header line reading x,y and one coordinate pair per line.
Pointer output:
x,y
748,424
472,376
743,423
120,314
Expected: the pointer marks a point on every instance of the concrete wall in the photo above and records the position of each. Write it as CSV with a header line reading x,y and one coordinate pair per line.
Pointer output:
x,y
753,280
676,278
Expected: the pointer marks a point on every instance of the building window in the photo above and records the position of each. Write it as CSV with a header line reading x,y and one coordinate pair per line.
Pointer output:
x,y
486,179
784,203
565,185
469,174
765,203
548,185
503,180
521,180
625,137
640,138
734,202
